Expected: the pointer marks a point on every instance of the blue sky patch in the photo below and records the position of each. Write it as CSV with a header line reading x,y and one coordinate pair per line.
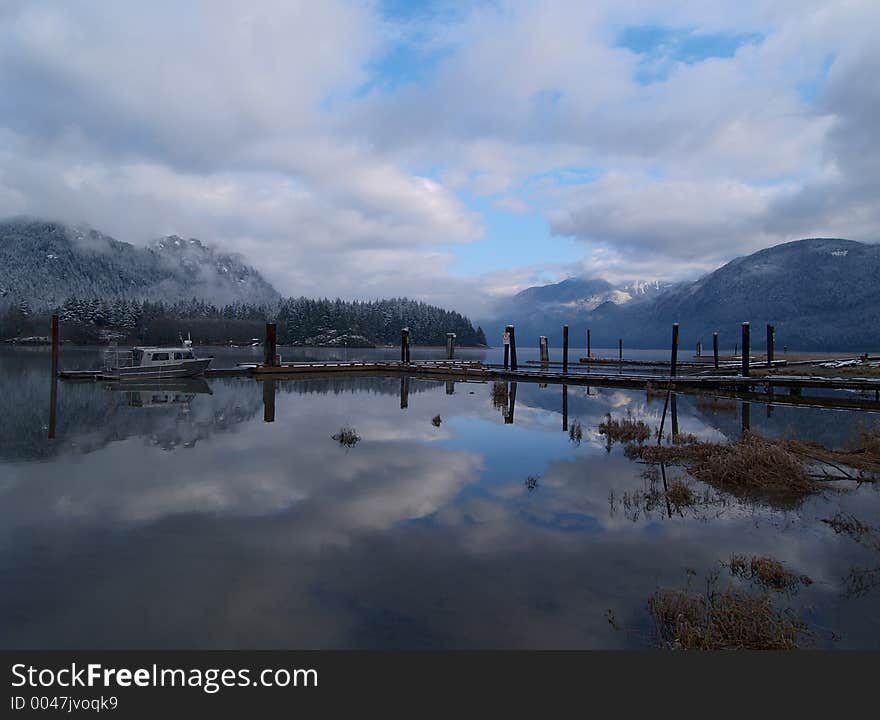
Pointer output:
x,y
661,47
810,89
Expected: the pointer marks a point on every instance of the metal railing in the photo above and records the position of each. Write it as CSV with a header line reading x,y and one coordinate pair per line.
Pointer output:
x,y
114,358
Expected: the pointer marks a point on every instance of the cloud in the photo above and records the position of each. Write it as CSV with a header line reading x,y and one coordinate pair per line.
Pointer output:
x,y
338,144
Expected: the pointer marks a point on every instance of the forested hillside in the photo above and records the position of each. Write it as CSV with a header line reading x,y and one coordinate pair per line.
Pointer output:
x,y
300,321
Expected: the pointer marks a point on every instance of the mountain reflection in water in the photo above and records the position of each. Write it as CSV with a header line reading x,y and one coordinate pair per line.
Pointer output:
x,y
178,517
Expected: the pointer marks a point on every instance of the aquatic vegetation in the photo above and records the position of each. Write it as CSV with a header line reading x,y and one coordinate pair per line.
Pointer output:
x,y
626,430
680,494
753,467
863,454
847,524
725,620
347,437
767,572
732,618
576,432
531,482
860,580
666,495
436,420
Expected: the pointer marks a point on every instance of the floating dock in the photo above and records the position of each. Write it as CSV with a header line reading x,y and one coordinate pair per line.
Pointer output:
x,y
472,370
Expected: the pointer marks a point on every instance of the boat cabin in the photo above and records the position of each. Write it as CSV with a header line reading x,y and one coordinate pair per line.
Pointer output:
x,y
142,356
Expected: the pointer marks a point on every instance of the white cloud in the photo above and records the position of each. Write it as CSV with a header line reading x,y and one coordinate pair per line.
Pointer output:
x,y
265,129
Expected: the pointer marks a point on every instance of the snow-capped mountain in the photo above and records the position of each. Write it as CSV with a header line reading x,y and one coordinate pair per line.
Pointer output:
x,y
820,293
43,263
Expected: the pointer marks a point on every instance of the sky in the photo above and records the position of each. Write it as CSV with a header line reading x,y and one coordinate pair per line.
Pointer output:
x,y
450,151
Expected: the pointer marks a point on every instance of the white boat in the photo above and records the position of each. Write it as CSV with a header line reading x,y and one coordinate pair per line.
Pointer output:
x,y
141,363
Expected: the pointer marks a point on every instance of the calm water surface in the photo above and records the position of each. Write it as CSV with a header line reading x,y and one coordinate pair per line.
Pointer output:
x,y
179,517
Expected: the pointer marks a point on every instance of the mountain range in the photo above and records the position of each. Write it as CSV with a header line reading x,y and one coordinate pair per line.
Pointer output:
x,y
108,290
819,293
43,263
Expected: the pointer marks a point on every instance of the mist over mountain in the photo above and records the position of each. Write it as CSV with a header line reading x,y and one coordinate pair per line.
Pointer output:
x,y
820,293
107,290
43,263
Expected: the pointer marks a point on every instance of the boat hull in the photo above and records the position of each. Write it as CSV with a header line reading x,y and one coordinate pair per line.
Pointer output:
x,y
184,368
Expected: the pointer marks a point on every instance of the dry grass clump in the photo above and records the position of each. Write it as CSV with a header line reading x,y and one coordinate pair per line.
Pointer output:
x,y
666,495
642,501
723,621
861,580
436,420
347,437
576,432
499,395
680,494
871,441
862,455
627,430
752,467
846,524
767,572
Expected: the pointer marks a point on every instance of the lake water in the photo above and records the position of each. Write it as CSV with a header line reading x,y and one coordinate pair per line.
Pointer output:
x,y
178,517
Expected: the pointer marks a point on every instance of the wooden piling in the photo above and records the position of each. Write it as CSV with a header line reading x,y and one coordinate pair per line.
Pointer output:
x,y
404,345
450,387
269,346
565,349
745,349
715,348
746,416
544,347
588,343
450,346
507,347
513,365
620,349
699,348
771,337
674,360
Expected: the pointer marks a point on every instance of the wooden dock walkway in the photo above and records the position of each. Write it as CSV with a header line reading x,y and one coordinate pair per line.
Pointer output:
x,y
473,370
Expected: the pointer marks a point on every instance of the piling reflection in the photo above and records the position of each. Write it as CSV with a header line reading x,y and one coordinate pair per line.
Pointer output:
x,y
269,390
511,404
565,408
439,527
53,404
404,393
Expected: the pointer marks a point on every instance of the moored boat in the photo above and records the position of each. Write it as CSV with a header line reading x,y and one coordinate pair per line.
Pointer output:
x,y
141,363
